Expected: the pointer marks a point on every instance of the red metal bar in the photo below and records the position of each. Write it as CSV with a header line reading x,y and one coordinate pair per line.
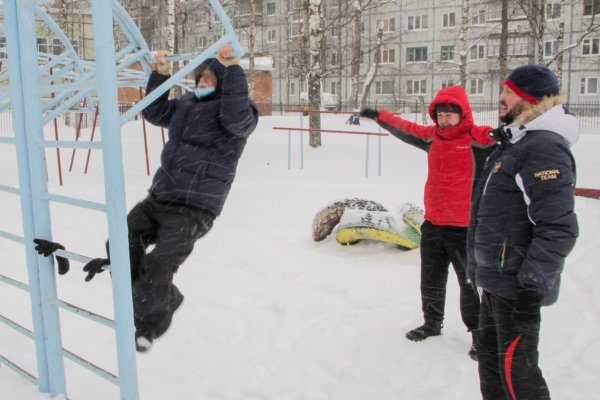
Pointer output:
x,y
89,152
77,135
282,128
146,138
586,192
55,122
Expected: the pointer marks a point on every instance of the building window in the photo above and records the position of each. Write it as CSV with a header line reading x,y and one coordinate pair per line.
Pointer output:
x,y
477,52
384,87
3,47
296,29
447,83
42,45
447,53
335,87
292,88
550,48
335,59
589,86
415,54
553,11
590,47
388,24
479,17
517,46
271,8
476,87
416,87
591,7
334,30
448,20
200,42
388,56
417,22
271,36
296,4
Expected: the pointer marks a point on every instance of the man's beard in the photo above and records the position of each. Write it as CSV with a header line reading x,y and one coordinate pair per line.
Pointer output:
x,y
511,115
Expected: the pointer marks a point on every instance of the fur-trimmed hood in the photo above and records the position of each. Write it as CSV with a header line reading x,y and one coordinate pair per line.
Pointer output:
x,y
549,115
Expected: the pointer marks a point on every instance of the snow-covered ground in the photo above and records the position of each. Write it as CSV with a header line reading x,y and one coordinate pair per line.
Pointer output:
x,y
269,313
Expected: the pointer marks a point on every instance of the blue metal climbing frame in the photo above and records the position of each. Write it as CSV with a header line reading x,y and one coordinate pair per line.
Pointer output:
x,y
27,78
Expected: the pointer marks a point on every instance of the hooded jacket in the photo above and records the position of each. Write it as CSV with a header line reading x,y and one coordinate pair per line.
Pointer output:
x,y
206,139
449,156
523,223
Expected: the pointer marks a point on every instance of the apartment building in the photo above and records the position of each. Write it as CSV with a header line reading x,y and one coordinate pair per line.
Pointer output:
x,y
420,51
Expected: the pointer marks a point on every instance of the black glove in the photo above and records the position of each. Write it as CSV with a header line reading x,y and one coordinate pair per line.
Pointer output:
x,y
47,247
369,113
94,267
526,309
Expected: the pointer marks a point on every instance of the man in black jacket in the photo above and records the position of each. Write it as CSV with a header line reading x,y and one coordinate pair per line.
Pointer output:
x,y
523,226
208,129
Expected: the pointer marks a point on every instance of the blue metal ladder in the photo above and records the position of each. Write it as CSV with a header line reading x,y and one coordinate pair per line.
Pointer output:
x,y
24,89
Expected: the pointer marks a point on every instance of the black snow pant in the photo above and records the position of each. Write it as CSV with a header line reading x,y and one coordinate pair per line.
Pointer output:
x,y
440,246
172,229
508,353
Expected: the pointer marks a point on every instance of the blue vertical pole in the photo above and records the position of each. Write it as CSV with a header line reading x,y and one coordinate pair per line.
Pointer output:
x,y
289,149
367,158
28,124
106,73
379,148
301,142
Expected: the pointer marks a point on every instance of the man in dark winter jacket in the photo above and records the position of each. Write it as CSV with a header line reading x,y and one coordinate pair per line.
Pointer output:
x,y
447,201
522,228
208,129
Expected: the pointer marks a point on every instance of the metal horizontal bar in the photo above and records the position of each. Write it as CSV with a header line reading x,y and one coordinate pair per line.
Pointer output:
x,y
109,376
18,370
87,314
15,283
70,144
7,140
92,205
17,327
11,236
10,189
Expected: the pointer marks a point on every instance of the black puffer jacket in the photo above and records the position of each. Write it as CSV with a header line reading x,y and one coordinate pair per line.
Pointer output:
x,y
523,223
206,139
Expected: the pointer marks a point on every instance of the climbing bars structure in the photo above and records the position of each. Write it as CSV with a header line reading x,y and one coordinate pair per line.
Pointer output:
x,y
37,87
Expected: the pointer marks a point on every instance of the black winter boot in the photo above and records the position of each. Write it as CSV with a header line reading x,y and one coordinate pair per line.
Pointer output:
x,y
424,331
473,350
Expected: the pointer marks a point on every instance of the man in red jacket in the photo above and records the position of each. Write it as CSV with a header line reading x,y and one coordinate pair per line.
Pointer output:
x,y
451,171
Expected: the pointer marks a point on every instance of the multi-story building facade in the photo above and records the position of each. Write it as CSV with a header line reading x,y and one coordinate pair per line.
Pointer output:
x,y
420,51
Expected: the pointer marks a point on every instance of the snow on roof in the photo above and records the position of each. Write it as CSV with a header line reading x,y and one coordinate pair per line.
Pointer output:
x,y
260,63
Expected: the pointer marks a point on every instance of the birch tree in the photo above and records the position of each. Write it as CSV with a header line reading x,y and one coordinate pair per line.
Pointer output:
x,y
315,38
356,16
462,42
372,72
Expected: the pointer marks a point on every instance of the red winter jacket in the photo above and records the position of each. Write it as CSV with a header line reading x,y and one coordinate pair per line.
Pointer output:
x,y
449,157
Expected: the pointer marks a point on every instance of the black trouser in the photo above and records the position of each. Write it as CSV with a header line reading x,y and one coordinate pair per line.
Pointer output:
x,y
440,246
508,354
173,229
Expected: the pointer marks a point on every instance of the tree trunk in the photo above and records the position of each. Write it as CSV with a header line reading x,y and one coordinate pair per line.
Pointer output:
x,y
462,43
251,44
315,38
502,61
356,15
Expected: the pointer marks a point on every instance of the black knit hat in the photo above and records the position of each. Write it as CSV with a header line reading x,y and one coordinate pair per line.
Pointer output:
x,y
532,82
450,108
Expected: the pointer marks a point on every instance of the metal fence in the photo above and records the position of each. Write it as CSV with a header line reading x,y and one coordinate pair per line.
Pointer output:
x,y
484,112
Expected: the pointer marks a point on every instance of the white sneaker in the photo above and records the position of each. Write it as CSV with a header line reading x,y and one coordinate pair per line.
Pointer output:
x,y
142,344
